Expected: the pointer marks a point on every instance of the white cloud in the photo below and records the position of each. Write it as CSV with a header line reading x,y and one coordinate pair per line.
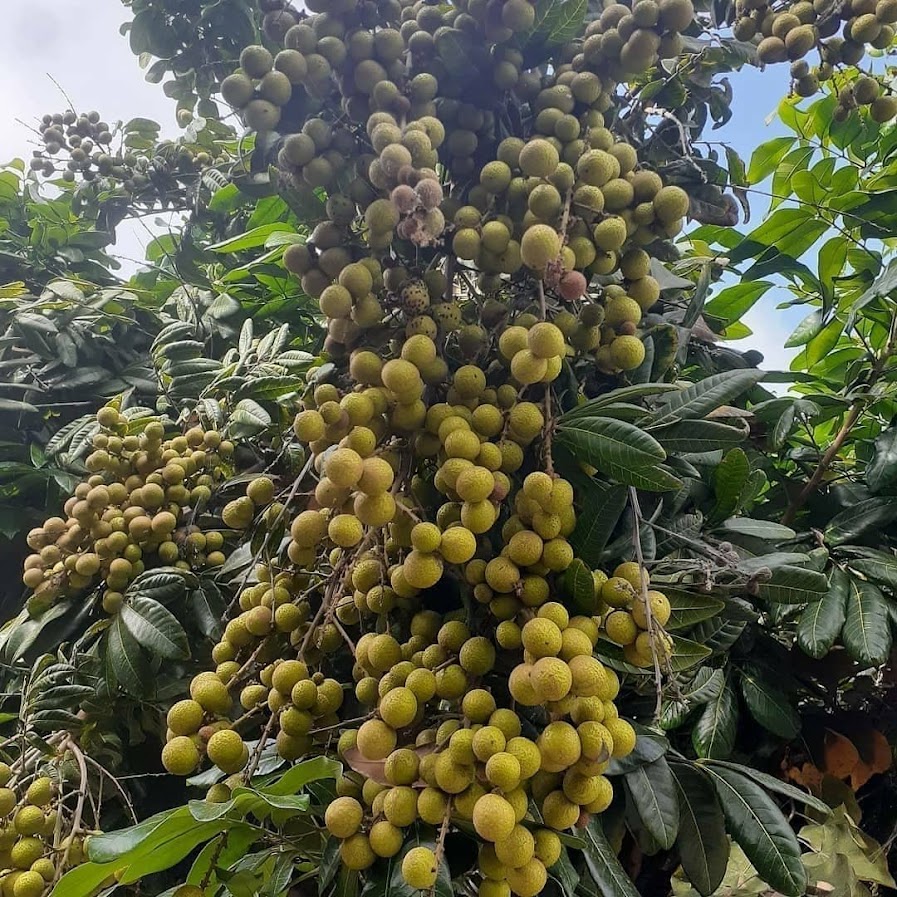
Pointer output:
x,y
77,43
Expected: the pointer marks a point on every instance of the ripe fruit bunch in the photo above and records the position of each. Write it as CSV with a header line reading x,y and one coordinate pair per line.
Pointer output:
x,y
629,620
479,768
132,513
86,139
840,34
30,846
560,202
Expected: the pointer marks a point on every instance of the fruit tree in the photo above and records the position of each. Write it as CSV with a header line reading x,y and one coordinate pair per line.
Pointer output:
x,y
406,524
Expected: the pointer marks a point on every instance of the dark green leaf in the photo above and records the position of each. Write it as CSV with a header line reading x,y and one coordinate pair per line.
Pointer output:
x,y
650,745
874,513
867,631
729,480
821,622
702,841
164,584
689,608
564,874
777,786
603,865
155,628
125,659
696,436
653,792
793,585
877,565
687,653
714,731
579,584
768,704
622,394
596,519
699,399
619,450
760,829
881,471
759,529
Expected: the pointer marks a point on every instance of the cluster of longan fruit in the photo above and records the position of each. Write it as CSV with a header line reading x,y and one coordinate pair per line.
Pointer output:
x,y
134,512
791,32
86,139
631,621
562,203
31,849
427,473
477,766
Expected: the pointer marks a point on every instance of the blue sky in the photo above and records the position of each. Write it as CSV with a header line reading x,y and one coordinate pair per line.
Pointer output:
x,y
50,39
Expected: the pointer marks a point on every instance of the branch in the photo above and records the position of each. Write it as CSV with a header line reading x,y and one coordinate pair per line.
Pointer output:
x,y
853,415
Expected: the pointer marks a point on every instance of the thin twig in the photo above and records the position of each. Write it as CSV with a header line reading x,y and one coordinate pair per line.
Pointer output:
x,y
79,807
643,582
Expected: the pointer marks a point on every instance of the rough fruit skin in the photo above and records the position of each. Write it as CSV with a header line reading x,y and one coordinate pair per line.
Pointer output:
x,y
419,868
227,751
539,246
185,717
180,756
627,352
560,746
538,159
343,817
493,818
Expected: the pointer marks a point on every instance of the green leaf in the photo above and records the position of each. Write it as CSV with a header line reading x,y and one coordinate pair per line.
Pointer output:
x,y
759,529
686,653
793,585
877,565
579,584
688,608
771,783
715,729
806,330
702,842
125,659
699,399
697,436
596,518
787,232
621,394
619,450
653,793
252,239
155,628
768,704
821,622
766,158
248,419
760,829
867,632
163,584
881,471
729,480
731,303
853,521
603,865
823,342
